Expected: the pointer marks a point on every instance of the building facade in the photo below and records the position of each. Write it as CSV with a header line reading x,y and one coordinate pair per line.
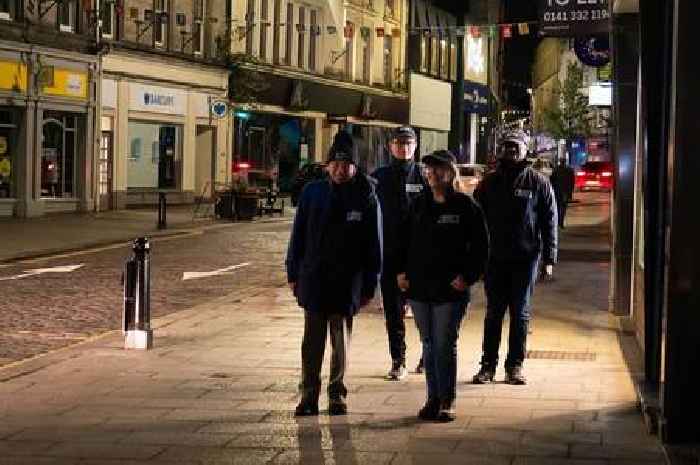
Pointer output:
x,y
48,76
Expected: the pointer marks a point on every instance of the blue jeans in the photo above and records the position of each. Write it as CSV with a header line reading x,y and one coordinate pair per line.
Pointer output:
x,y
509,286
438,325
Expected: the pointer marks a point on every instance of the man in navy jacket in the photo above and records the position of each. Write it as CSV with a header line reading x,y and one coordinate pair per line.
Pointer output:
x,y
333,263
521,213
399,184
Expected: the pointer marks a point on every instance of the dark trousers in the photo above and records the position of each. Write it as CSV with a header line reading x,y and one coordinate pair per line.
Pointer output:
x,y
562,203
438,325
509,286
394,314
317,326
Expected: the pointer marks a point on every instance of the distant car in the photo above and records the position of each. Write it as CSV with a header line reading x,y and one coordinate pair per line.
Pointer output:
x,y
543,165
470,177
596,175
307,173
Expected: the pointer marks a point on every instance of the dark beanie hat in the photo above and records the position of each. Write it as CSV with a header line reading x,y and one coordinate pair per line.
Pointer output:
x,y
342,148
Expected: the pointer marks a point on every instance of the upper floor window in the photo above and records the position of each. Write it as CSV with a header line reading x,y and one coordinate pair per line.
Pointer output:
x,y
444,58
264,27
424,53
301,27
388,60
349,46
249,25
290,35
8,10
198,27
68,16
160,23
107,19
453,61
276,32
313,34
390,8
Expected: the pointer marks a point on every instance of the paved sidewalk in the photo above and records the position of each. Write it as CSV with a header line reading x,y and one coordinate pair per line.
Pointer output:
x,y
220,388
69,232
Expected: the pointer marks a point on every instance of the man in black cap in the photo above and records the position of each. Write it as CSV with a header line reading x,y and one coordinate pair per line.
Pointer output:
x,y
398,186
333,263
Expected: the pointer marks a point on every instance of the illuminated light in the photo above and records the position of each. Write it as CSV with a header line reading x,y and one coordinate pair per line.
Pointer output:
x,y
243,165
242,114
476,61
581,173
606,174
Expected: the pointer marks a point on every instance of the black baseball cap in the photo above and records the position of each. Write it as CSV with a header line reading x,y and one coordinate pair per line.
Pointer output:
x,y
403,132
439,157
343,148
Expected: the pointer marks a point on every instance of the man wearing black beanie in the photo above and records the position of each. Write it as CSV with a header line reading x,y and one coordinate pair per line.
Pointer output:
x,y
333,263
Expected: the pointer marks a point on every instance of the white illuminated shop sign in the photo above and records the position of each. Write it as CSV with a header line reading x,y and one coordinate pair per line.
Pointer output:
x,y
574,17
476,62
158,99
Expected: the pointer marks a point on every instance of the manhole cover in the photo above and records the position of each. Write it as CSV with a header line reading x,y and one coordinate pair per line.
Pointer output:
x,y
561,355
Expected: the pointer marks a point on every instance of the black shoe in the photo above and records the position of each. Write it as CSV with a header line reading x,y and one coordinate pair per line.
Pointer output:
x,y
306,409
447,411
484,376
337,406
420,367
515,376
430,410
398,371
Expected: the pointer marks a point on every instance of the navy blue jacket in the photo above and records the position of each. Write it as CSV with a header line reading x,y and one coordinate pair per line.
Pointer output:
x,y
521,214
440,242
334,253
398,185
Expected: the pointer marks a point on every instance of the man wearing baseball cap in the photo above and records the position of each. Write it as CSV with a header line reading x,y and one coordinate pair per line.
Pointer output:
x,y
333,263
399,184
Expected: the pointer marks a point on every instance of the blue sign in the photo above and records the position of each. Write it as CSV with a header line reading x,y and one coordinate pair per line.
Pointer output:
x,y
219,109
476,98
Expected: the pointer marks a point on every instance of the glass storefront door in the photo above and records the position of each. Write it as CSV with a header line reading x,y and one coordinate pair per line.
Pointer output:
x,y
59,155
155,154
8,152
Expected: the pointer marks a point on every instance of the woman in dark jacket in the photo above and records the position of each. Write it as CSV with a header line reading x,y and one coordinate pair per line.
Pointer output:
x,y
444,254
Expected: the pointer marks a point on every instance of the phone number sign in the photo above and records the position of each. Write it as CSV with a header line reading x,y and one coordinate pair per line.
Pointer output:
x,y
574,17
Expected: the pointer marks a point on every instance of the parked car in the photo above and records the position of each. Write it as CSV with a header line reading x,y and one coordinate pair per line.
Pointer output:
x,y
306,174
470,177
595,175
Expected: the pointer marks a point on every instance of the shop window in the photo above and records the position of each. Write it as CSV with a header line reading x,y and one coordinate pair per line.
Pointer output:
x,y
388,60
264,27
68,15
349,45
390,9
8,153
160,23
290,35
8,10
276,32
301,27
364,60
154,161
424,54
434,55
453,61
107,19
313,38
59,152
198,27
444,59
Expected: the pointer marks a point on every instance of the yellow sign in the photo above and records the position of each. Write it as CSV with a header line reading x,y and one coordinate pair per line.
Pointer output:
x,y
68,83
3,145
13,76
5,167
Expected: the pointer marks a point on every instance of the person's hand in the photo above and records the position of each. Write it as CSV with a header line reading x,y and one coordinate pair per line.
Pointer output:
x,y
402,281
293,287
459,284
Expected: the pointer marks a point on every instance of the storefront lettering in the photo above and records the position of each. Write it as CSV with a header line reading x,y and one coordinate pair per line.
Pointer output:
x,y
153,99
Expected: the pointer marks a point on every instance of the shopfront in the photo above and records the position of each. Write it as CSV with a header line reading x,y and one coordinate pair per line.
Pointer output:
x,y
162,137
46,122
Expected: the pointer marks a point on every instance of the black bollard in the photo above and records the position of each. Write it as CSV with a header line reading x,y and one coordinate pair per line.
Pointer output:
x,y
137,297
162,211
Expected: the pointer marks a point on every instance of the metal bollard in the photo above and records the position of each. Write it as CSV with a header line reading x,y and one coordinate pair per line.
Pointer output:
x,y
137,297
162,211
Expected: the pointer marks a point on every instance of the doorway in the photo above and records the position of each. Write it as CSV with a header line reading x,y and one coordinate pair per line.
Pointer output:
x,y
204,162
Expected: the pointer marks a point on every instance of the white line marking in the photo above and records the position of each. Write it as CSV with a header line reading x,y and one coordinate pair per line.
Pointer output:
x,y
38,271
207,274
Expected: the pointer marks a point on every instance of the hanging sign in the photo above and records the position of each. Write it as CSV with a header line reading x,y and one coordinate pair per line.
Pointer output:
x,y
574,17
219,109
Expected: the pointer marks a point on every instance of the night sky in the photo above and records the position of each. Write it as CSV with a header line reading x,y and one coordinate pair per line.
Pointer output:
x,y
519,52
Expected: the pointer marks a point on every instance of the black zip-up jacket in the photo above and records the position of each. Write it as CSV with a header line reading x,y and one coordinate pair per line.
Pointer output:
x,y
441,241
334,253
398,185
521,214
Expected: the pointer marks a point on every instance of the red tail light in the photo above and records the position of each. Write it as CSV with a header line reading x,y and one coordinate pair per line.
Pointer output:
x,y
581,173
243,166
606,174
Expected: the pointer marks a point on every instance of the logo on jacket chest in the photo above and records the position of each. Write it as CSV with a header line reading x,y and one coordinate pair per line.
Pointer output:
x,y
354,216
448,219
524,193
414,188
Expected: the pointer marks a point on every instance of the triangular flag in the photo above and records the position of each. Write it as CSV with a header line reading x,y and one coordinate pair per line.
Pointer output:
x,y
523,29
507,31
475,32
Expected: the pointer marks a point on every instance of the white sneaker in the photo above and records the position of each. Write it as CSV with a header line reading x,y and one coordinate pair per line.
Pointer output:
x,y
397,372
409,312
